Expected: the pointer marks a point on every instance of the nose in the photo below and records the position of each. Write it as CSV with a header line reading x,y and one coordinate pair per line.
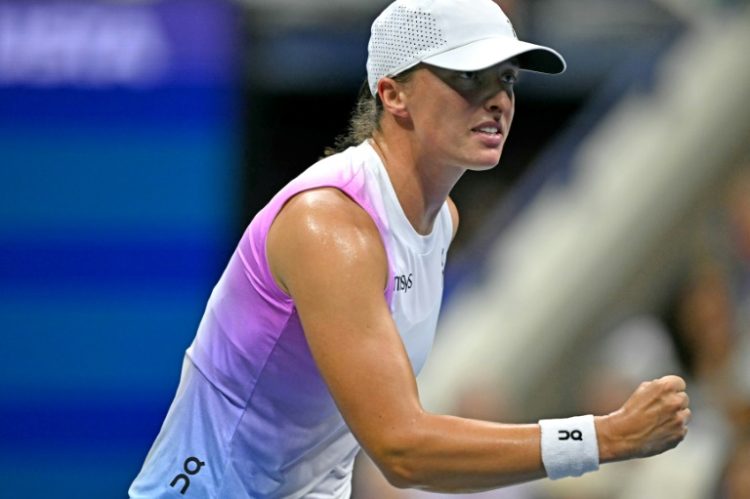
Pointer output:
x,y
499,99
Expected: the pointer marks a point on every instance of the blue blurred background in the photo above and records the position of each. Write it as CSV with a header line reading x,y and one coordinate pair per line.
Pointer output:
x,y
612,244
119,196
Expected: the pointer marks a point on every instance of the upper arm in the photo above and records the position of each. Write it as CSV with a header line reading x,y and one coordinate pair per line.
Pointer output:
x,y
327,253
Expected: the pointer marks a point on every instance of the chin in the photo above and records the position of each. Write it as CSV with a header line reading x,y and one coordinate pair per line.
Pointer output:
x,y
481,168
485,162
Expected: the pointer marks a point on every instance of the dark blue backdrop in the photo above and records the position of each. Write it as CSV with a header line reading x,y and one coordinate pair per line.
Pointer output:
x,y
119,166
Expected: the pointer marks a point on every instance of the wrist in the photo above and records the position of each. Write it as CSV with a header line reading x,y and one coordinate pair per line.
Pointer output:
x,y
608,440
604,438
569,446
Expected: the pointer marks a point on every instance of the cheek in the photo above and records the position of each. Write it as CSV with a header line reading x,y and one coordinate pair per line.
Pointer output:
x,y
511,113
442,122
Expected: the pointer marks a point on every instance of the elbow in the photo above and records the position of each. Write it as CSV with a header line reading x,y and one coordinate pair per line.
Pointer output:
x,y
398,472
398,480
397,460
400,475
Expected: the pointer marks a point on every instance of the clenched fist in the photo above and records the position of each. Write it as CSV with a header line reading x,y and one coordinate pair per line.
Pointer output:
x,y
653,420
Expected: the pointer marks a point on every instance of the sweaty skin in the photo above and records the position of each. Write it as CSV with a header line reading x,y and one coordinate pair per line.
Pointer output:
x,y
326,253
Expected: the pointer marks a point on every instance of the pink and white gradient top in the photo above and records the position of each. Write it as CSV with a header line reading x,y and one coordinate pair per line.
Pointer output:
x,y
251,405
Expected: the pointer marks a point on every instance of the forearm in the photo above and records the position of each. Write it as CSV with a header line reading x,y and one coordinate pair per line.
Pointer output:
x,y
450,454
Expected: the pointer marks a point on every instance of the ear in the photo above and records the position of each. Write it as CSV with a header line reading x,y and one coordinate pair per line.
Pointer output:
x,y
392,95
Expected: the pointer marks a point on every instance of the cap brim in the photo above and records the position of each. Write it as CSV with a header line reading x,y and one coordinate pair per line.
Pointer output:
x,y
484,53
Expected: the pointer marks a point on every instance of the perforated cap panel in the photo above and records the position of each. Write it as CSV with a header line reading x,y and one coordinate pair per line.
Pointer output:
x,y
461,35
399,39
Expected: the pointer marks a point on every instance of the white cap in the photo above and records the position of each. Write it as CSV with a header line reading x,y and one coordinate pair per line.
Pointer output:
x,y
461,35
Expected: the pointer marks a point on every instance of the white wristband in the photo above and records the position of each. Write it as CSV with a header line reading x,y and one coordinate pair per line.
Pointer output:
x,y
569,446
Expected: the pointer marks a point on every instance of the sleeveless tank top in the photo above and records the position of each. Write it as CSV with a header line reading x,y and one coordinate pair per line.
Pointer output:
x,y
252,417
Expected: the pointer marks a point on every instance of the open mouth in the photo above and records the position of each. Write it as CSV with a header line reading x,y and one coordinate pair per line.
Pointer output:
x,y
487,130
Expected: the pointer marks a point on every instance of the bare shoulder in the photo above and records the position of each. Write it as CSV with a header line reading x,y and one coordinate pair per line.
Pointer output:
x,y
322,229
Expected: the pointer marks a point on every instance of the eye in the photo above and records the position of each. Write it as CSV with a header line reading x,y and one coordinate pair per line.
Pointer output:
x,y
509,78
467,75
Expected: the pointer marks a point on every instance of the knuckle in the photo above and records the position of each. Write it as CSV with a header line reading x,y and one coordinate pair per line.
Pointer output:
x,y
676,401
687,415
673,382
667,385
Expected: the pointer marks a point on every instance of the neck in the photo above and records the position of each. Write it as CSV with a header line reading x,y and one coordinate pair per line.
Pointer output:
x,y
422,183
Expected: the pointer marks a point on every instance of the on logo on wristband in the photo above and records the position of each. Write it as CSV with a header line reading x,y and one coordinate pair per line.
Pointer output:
x,y
568,435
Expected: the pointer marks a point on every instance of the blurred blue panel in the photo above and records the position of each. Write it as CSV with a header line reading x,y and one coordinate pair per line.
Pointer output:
x,y
93,44
92,179
81,424
112,262
77,341
104,473
121,110
119,175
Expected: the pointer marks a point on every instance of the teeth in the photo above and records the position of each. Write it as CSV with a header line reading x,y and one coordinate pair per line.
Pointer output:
x,y
488,129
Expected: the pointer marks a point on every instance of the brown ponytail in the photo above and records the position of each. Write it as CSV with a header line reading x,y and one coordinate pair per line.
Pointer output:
x,y
365,119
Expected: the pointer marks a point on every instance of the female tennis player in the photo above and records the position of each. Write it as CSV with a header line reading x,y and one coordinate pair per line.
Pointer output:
x,y
311,339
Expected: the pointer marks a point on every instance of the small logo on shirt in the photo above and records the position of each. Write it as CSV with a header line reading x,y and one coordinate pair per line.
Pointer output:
x,y
192,466
404,282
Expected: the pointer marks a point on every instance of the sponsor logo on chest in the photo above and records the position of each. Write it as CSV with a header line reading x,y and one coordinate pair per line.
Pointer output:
x,y
403,282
